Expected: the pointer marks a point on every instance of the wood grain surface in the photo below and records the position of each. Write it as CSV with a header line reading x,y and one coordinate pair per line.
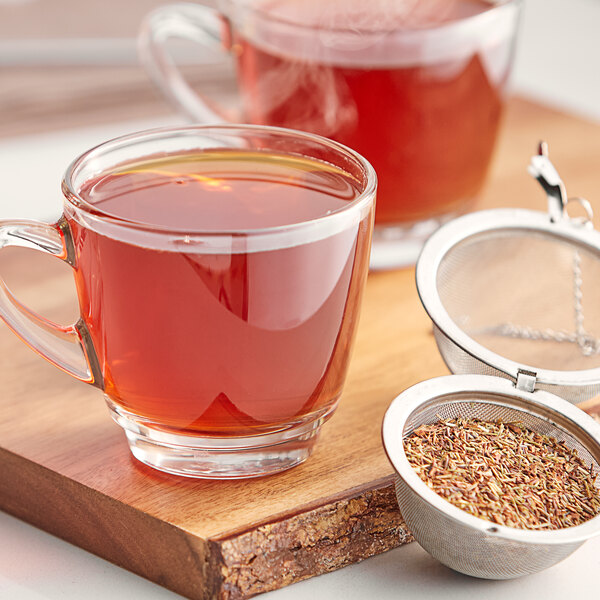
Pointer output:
x,y
65,466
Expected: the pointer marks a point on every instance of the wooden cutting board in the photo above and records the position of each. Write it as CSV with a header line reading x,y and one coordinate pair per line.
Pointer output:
x,y
65,466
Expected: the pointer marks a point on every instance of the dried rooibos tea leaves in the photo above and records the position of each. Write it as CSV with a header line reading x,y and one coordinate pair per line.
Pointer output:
x,y
505,473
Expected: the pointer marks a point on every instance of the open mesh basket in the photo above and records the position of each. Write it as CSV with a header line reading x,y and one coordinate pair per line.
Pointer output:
x,y
512,290
514,297
461,541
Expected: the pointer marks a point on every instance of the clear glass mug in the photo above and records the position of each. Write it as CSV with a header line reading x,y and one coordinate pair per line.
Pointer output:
x,y
417,87
220,351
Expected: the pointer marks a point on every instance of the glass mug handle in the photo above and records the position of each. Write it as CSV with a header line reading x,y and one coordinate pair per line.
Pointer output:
x,y
196,23
67,347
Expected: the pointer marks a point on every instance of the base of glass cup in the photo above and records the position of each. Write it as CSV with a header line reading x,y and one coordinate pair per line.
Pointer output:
x,y
218,457
398,245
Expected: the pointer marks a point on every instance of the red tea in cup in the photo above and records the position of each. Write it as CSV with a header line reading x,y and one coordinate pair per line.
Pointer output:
x,y
417,87
426,116
229,343
219,272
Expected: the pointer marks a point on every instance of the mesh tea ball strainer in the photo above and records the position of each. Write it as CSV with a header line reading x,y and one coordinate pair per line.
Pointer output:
x,y
514,297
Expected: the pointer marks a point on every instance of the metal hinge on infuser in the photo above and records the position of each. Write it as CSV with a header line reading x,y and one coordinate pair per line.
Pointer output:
x,y
526,380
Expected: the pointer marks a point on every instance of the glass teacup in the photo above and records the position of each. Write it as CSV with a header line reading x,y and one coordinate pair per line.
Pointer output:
x,y
219,272
417,87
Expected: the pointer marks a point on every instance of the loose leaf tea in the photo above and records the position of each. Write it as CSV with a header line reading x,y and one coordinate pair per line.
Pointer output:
x,y
505,473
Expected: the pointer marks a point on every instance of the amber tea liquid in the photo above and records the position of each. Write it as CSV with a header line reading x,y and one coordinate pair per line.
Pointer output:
x,y
226,342
423,109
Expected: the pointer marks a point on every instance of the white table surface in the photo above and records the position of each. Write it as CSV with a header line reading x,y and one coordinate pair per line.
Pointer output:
x,y
558,62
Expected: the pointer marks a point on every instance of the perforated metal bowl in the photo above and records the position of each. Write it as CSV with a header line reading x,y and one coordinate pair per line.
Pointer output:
x,y
461,541
500,289
514,297
511,291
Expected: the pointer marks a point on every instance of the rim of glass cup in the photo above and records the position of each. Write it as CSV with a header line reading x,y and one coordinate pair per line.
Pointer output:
x,y
493,6
323,226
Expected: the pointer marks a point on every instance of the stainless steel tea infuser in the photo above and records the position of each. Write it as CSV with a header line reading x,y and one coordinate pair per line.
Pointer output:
x,y
514,298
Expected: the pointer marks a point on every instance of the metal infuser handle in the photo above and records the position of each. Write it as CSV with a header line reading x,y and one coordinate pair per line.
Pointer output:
x,y
543,170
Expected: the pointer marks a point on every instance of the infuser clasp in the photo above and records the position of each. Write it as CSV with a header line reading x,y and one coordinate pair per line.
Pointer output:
x,y
526,380
543,170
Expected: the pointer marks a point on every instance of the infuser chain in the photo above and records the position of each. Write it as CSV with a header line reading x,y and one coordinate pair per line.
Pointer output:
x,y
543,170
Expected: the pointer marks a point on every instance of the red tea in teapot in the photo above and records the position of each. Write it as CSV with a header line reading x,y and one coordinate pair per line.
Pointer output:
x,y
416,87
